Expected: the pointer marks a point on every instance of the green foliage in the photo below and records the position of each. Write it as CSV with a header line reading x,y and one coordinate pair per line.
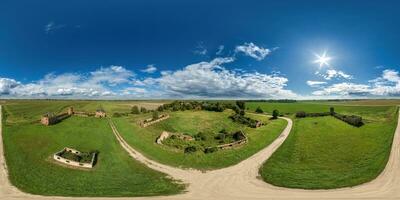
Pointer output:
x,y
143,110
197,105
244,120
190,149
259,110
200,136
211,150
275,114
155,115
241,105
135,110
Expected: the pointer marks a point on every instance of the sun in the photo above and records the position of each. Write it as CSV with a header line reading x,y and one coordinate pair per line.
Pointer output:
x,y
322,59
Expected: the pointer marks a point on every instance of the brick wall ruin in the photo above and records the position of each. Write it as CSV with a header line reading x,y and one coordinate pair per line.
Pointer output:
x,y
50,119
73,163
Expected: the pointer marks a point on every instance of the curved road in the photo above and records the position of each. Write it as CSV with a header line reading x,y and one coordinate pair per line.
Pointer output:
x,y
240,181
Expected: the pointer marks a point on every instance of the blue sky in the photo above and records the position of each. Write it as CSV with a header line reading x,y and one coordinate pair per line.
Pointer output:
x,y
199,49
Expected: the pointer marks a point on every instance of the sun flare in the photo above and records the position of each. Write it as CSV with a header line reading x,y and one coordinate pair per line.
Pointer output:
x,y
322,59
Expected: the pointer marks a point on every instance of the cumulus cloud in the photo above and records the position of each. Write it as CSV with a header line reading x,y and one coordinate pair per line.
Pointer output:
x,y
98,83
331,73
150,69
211,79
388,84
6,85
254,51
315,83
344,89
113,75
208,79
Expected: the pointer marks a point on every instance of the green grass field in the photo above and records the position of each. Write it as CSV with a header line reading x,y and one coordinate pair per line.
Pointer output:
x,y
29,147
191,122
323,152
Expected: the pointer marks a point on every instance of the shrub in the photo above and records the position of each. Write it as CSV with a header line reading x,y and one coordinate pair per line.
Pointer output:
x,y
238,136
275,114
332,110
220,136
259,110
300,114
155,115
190,149
318,114
117,114
350,119
211,150
200,136
244,120
241,105
160,108
143,110
135,110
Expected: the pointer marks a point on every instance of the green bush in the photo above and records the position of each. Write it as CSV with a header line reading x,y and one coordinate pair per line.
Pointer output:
x,y
275,114
211,150
190,149
155,115
135,110
259,110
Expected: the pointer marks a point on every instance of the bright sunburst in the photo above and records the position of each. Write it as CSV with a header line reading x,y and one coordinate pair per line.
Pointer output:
x,y
322,59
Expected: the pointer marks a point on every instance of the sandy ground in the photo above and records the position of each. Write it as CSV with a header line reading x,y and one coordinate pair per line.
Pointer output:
x,y
241,181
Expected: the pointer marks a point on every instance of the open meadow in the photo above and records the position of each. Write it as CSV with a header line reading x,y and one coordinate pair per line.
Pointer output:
x,y
29,147
324,152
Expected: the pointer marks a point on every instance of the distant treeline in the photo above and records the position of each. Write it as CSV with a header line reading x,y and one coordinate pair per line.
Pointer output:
x,y
274,100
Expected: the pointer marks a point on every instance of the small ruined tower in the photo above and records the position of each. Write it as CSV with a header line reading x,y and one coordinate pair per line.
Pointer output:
x,y
70,110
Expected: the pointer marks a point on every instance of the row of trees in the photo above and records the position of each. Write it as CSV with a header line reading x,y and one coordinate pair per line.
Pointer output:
x,y
135,110
196,105
350,119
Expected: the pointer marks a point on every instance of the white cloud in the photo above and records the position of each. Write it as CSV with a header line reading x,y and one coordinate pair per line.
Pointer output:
x,y
315,83
98,83
331,73
113,75
388,84
211,79
344,89
51,27
150,69
6,85
256,52
220,50
133,90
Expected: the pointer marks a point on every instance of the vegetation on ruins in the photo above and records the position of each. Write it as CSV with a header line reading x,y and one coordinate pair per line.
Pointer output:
x,y
204,141
191,123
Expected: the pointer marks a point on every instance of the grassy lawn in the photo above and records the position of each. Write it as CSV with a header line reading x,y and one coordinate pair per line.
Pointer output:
x,y
29,147
192,122
324,152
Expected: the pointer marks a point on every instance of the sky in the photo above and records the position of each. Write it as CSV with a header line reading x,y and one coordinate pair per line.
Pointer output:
x,y
205,49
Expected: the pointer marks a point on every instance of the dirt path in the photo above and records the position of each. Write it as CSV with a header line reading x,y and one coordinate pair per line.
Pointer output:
x,y
240,181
